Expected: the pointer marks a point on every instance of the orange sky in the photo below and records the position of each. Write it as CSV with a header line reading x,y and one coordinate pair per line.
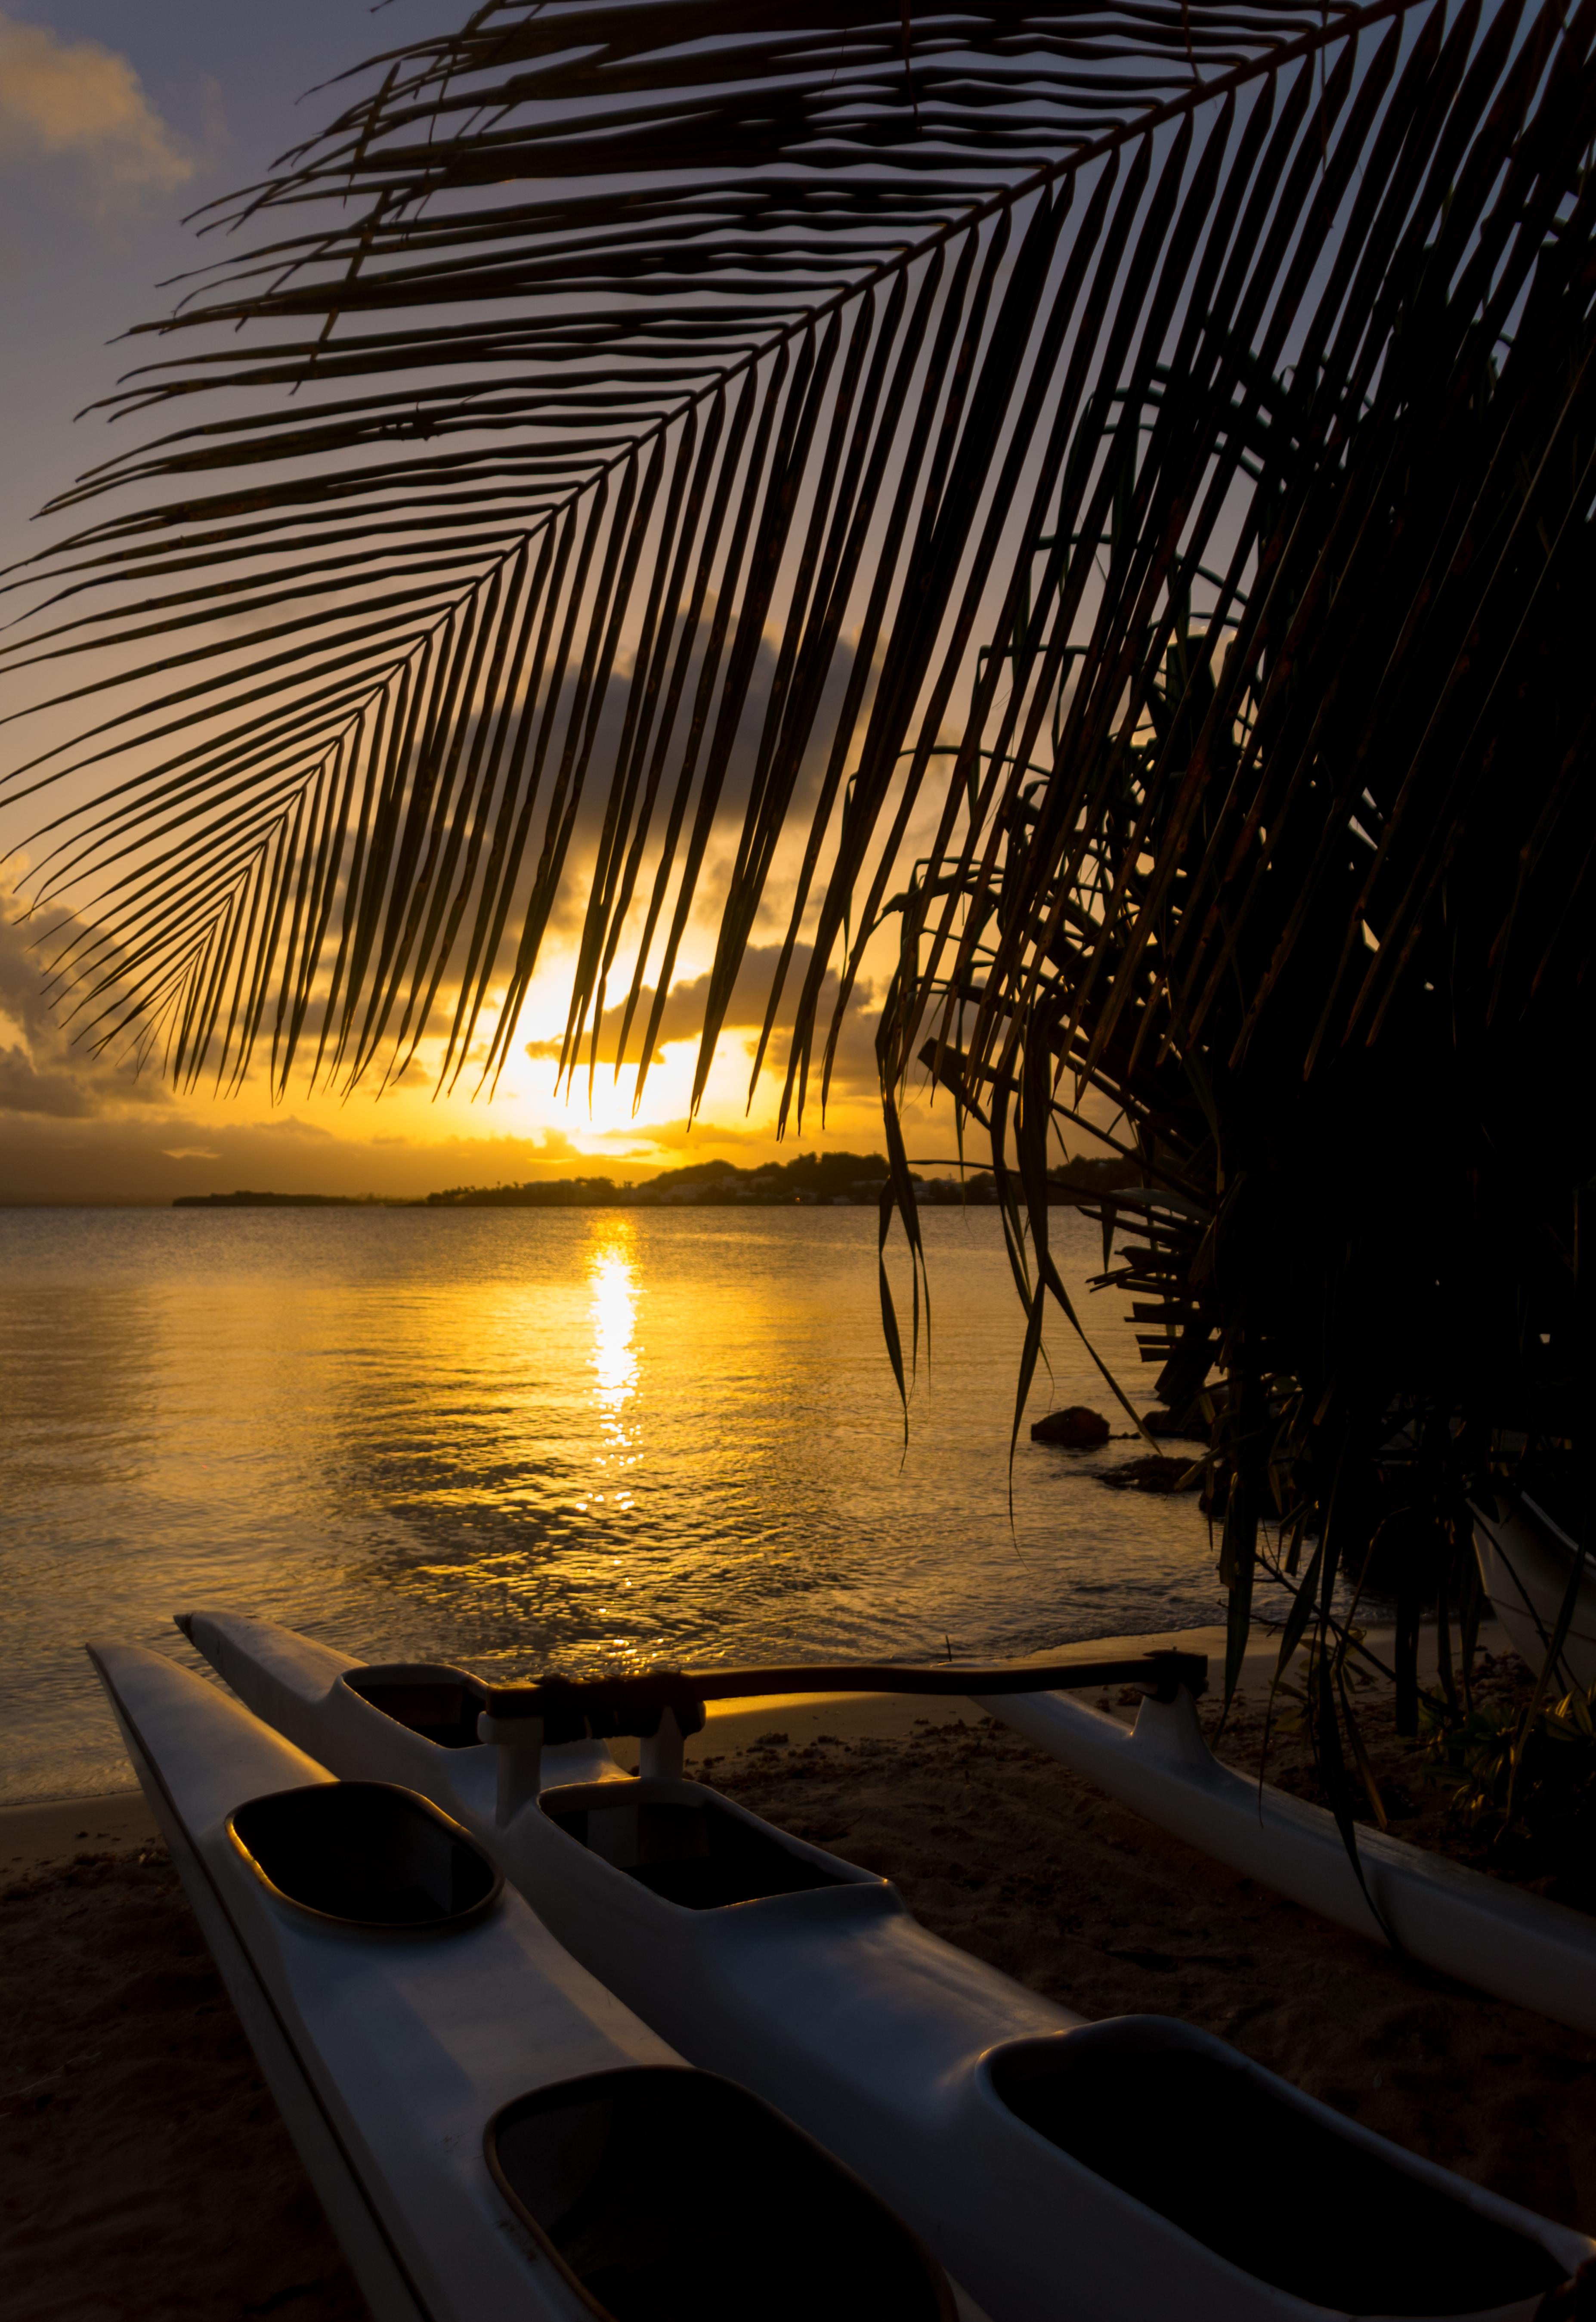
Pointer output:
x,y
105,142
74,1127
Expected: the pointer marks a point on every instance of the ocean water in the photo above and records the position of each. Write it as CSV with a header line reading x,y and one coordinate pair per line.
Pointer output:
x,y
522,1438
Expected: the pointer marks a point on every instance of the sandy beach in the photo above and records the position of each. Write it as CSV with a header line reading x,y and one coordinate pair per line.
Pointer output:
x,y
147,2174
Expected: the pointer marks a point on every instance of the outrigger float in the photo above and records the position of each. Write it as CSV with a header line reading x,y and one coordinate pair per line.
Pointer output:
x,y
490,2131
1519,1947
1526,1562
1121,2172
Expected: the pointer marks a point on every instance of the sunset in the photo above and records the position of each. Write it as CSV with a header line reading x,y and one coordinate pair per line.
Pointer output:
x,y
86,1129
797,837
105,149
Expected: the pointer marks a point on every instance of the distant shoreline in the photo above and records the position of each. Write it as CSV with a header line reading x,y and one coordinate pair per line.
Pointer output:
x,y
642,1199
810,1181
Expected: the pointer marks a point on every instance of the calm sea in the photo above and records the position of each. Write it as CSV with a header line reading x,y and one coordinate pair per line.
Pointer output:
x,y
589,1437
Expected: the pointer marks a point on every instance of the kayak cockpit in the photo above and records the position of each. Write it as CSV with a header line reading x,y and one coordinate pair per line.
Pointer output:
x,y
1239,2162
441,1704
366,1855
690,1847
671,2196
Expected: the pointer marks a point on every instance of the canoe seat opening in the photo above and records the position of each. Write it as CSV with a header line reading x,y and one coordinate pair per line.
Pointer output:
x,y
441,1705
701,1856
1201,2139
671,2196
366,1854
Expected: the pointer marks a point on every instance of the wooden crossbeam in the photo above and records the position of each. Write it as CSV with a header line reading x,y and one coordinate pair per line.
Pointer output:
x,y
606,1705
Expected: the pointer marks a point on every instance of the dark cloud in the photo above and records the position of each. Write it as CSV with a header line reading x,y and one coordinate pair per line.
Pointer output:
x,y
54,1072
44,1070
737,787
22,1089
683,1015
80,1128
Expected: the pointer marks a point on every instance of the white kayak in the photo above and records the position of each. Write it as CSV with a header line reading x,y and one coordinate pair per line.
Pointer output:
x,y
1525,1562
1521,1947
490,2131
1117,2173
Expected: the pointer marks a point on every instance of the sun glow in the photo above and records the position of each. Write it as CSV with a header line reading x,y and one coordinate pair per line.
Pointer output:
x,y
590,1111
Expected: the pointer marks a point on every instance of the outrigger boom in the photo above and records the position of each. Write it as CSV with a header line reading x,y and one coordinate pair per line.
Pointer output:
x,y
610,1708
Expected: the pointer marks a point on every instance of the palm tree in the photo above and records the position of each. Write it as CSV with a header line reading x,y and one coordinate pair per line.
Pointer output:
x,y
1097,500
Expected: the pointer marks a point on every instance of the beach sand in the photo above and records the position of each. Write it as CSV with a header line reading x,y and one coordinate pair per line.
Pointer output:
x,y
145,2170
146,2174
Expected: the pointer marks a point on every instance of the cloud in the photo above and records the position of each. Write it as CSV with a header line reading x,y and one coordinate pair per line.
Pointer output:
x,y
570,904
77,100
682,1018
41,1071
24,1089
704,1141
128,1158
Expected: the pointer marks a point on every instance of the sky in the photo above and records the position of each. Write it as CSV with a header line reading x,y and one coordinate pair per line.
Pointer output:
x,y
117,122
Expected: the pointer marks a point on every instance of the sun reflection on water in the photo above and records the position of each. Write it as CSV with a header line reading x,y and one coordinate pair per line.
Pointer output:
x,y
611,1288
529,1439
612,1304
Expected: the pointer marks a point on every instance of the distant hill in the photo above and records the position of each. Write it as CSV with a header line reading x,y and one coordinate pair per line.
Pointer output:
x,y
810,1179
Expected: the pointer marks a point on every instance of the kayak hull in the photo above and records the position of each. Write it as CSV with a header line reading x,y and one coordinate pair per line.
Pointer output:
x,y
932,2075
384,2277
454,2080
1538,1954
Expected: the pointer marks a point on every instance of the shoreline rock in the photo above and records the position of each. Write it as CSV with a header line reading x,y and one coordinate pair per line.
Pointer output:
x,y
1076,1428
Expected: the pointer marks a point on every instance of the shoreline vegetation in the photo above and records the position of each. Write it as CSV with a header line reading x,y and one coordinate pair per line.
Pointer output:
x,y
812,1181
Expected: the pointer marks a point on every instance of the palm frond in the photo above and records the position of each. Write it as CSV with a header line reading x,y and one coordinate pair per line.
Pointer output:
x,y
621,354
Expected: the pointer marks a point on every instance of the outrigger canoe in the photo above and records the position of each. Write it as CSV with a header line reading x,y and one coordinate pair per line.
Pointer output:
x,y
1121,2172
1526,1562
490,2131
1521,1947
